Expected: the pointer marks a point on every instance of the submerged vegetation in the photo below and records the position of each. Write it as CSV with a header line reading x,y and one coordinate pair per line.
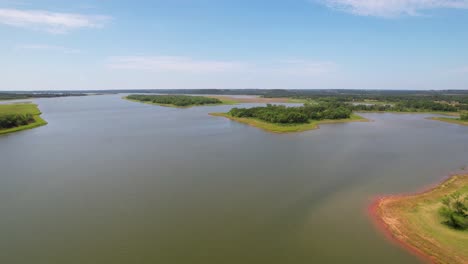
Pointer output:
x,y
175,100
17,117
432,223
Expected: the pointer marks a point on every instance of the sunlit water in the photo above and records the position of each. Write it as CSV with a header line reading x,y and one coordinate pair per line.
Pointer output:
x,y
112,181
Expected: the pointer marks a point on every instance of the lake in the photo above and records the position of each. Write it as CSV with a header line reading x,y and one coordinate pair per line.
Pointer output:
x,y
113,181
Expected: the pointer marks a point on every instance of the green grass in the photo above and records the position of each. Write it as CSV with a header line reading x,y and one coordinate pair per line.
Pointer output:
x,y
22,108
288,128
415,221
223,102
451,120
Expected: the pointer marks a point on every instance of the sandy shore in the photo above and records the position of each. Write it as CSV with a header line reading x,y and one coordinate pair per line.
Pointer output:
x,y
410,221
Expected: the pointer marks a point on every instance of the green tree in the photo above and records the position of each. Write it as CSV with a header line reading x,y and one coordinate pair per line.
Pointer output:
x,y
455,210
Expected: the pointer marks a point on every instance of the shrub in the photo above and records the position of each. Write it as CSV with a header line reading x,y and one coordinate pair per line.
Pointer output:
x,y
455,210
15,120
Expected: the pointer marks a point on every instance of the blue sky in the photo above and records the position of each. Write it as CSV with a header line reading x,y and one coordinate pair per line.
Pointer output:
x,y
287,44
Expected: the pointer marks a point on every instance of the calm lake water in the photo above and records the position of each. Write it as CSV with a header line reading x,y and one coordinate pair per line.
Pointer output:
x,y
112,181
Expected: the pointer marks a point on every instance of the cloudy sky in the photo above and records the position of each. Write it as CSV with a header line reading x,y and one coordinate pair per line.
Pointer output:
x,y
296,44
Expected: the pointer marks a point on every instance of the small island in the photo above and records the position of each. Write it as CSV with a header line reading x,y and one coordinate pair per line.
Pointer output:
x,y
283,119
432,224
21,116
462,120
181,101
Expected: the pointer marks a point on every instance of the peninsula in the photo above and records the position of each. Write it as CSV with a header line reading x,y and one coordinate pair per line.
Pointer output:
x,y
432,224
283,119
462,120
21,116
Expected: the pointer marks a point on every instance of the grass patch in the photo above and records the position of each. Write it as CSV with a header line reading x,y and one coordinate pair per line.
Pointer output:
x,y
451,120
286,128
22,108
415,221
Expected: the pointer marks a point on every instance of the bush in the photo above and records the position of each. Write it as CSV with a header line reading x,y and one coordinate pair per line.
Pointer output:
x,y
455,211
15,120
464,116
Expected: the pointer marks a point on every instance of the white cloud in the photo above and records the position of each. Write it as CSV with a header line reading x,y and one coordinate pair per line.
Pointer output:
x,y
52,22
48,48
190,65
392,8
171,63
463,70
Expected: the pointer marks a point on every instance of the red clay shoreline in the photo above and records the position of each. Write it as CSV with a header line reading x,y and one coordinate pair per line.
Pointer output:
x,y
382,227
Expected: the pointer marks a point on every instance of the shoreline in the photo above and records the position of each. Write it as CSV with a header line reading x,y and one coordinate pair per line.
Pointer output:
x,y
286,129
391,227
449,120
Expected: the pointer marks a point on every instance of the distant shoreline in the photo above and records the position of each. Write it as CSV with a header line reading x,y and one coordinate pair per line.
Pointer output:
x,y
226,102
450,120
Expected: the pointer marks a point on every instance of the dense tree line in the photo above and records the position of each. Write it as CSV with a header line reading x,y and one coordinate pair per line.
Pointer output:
x,y
15,120
294,115
177,100
455,210
408,106
400,102
22,95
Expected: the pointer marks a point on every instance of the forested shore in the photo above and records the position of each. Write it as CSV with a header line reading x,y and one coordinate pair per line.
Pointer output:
x,y
174,100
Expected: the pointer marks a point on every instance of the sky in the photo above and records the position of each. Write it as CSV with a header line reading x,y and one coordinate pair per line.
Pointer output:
x,y
266,44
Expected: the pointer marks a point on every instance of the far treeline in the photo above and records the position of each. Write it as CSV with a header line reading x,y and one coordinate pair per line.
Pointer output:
x,y
23,95
176,100
295,115
374,100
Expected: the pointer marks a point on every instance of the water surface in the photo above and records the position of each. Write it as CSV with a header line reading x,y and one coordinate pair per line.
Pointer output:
x,y
113,181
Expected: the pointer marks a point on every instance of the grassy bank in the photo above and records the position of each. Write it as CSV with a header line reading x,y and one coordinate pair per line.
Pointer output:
x,y
415,222
22,108
223,102
280,128
451,120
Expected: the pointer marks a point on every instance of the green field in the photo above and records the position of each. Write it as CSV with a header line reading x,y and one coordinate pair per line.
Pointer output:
x,y
451,120
415,221
22,108
286,128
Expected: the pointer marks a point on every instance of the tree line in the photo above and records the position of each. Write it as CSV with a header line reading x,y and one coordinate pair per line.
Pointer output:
x,y
19,96
408,106
15,120
177,100
294,115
